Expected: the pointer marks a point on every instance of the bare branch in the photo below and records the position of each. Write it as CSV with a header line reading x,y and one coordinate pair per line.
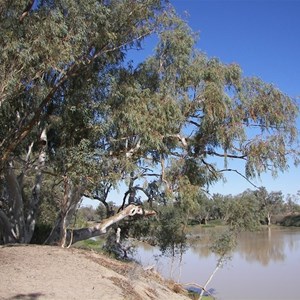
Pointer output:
x,y
233,170
26,10
194,123
102,200
211,168
225,155
132,151
143,190
101,228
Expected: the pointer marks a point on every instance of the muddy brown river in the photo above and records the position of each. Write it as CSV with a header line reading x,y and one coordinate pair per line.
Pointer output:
x,y
265,265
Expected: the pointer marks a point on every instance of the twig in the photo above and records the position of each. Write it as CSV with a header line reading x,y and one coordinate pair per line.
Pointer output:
x,y
232,170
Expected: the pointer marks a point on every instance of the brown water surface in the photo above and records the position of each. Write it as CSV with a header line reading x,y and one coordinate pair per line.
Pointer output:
x,y
265,265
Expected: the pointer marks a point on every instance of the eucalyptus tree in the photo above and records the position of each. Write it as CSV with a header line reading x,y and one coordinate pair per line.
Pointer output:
x,y
271,203
198,111
204,209
245,212
211,112
57,64
291,204
75,115
221,206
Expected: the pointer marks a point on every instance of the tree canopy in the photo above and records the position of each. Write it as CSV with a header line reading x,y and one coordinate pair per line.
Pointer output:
x,y
77,117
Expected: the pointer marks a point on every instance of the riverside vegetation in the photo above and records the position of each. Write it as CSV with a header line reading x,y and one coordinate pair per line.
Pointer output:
x,y
82,114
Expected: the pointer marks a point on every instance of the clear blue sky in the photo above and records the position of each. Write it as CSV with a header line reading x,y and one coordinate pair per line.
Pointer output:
x,y
263,37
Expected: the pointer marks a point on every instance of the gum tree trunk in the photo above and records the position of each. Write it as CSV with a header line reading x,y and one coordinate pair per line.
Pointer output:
x,y
18,216
76,235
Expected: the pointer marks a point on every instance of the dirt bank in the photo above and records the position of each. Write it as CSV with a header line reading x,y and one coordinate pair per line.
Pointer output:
x,y
43,272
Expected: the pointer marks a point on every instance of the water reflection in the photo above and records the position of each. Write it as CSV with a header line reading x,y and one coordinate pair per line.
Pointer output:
x,y
201,239
261,263
263,246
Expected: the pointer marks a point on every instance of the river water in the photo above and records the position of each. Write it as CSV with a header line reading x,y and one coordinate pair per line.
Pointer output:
x,y
265,265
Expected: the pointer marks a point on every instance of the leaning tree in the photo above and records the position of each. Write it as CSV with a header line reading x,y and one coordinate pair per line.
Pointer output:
x,y
77,117
58,62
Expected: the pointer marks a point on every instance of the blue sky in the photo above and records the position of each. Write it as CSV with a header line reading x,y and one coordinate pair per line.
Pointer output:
x,y
263,37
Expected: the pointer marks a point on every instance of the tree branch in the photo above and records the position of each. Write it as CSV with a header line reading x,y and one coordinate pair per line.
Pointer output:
x,y
6,231
15,203
13,139
225,155
232,170
103,201
101,228
26,10
36,191
211,168
181,138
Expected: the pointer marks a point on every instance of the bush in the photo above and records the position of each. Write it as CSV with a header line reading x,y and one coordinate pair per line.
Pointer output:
x,y
171,231
293,220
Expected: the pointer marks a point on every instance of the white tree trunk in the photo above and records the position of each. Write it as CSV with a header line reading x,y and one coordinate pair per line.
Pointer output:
x,y
269,219
36,191
76,235
7,233
15,204
219,265
18,221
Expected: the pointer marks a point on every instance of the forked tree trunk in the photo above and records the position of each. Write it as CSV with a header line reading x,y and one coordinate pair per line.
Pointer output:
x,y
68,206
17,223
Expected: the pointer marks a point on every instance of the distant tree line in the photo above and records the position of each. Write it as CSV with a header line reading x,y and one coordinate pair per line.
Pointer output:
x,y
260,205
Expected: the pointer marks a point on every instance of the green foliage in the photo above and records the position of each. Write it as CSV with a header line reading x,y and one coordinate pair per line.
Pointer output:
x,y
202,210
171,230
271,203
101,212
293,220
291,206
143,229
244,212
63,70
48,208
224,242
